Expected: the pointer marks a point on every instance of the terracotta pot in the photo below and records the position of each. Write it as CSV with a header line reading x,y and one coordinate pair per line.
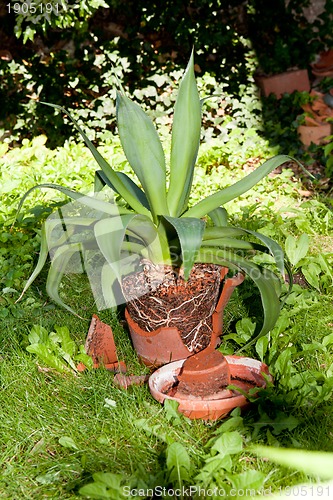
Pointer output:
x,y
246,373
164,345
314,134
283,83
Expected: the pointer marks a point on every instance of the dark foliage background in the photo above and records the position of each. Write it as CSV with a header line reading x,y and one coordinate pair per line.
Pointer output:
x,y
54,57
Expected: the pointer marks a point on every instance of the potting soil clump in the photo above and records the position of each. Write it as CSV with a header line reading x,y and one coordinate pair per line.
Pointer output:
x,y
159,296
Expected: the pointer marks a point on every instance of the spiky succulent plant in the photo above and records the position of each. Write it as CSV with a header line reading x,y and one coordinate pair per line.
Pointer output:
x,y
154,219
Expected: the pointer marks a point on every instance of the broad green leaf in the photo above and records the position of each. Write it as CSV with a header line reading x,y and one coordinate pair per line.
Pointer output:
x,y
46,356
67,343
107,169
110,479
190,232
229,443
261,347
171,409
144,151
225,195
328,340
68,442
97,491
296,249
38,334
214,465
185,140
249,480
311,274
315,463
178,463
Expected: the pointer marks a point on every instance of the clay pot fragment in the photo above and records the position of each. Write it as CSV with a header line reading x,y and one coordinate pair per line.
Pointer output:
x,y
316,125
245,373
101,347
284,83
324,64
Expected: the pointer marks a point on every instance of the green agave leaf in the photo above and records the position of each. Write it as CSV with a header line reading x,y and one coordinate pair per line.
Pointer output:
x,y
107,169
233,243
222,234
184,141
315,463
43,253
101,180
190,233
114,238
89,201
57,270
273,247
110,234
109,282
49,243
219,216
144,152
154,239
266,281
225,195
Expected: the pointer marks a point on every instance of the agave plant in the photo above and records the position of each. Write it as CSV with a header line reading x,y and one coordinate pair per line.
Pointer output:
x,y
152,221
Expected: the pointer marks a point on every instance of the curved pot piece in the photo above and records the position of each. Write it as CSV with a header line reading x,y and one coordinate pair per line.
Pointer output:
x,y
246,373
158,347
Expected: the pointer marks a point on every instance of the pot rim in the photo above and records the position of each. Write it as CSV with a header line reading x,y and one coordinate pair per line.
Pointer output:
x,y
166,373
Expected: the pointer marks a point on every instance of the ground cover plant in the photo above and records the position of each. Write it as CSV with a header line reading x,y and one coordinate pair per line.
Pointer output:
x,y
69,435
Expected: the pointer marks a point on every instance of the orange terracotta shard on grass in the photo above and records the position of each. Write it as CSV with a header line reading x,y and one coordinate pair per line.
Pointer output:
x,y
101,347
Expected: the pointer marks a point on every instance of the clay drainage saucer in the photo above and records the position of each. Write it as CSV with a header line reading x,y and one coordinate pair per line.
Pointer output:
x,y
246,373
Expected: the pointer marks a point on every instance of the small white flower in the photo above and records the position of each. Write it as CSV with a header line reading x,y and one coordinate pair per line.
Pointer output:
x,y
109,403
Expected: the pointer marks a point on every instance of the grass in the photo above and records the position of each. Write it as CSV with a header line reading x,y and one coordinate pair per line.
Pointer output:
x,y
57,430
